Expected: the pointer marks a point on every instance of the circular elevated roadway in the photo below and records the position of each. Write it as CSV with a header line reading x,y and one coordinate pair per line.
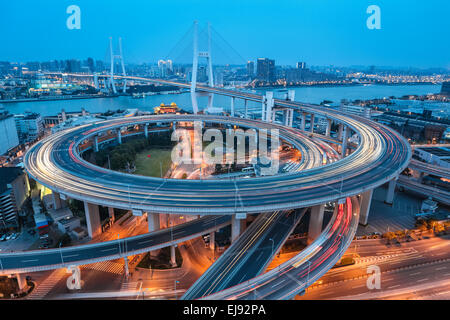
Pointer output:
x,y
381,155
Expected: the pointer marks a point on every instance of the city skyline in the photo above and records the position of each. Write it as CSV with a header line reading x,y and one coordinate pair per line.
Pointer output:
x,y
297,27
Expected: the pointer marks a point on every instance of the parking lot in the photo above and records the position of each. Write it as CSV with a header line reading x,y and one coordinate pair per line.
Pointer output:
x,y
20,242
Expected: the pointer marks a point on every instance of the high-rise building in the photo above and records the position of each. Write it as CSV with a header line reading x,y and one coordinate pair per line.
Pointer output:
x,y
301,65
8,132
165,67
445,89
29,126
14,188
265,70
90,64
251,69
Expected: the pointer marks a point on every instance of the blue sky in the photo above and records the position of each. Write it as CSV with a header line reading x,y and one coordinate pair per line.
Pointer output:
x,y
320,32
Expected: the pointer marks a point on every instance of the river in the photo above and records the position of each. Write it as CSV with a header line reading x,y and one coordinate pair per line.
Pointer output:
x,y
304,94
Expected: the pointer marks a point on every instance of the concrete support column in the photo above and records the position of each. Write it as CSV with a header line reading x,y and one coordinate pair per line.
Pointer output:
x,y
92,219
21,281
328,129
232,106
345,141
174,126
340,131
119,136
302,127
288,115
391,191
212,240
246,109
315,222
173,260
111,214
291,118
146,130
312,123
236,227
96,143
366,200
153,221
126,268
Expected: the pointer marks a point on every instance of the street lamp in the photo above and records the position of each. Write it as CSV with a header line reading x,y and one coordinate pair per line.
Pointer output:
x,y
60,252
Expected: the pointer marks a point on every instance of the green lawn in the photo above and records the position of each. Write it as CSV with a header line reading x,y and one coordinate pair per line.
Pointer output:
x,y
150,166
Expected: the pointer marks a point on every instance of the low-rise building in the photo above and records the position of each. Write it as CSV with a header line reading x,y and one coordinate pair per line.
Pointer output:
x,y
29,126
8,132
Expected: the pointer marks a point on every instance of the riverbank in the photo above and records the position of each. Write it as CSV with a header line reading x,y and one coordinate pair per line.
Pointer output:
x,y
58,98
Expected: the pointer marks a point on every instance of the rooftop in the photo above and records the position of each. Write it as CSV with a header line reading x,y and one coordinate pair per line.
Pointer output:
x,y
8,175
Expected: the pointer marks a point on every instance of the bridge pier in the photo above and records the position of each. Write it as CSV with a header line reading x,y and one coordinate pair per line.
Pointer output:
x,y
111,214
366,201
173,260
328,129
267,105
212,241
288,117
340,131
303,124
315,222
146,130
232,106
153,221
237,227
391,191
119,136
126,267
92,219
21,281
96,143
246,108
345,141
311,129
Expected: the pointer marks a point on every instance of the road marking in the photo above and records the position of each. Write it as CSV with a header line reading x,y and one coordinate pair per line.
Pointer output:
x,y
415,273
441,268
108,249
150,240
362,285
29,260
72,255
277,284
422,280
391,287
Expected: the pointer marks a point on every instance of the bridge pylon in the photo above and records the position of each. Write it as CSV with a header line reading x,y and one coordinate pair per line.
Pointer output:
x,y
113,58
201,54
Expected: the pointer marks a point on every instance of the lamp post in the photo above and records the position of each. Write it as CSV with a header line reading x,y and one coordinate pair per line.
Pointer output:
x,y
60,252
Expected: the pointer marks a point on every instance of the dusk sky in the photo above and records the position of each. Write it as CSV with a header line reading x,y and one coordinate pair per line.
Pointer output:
x,y
320,32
